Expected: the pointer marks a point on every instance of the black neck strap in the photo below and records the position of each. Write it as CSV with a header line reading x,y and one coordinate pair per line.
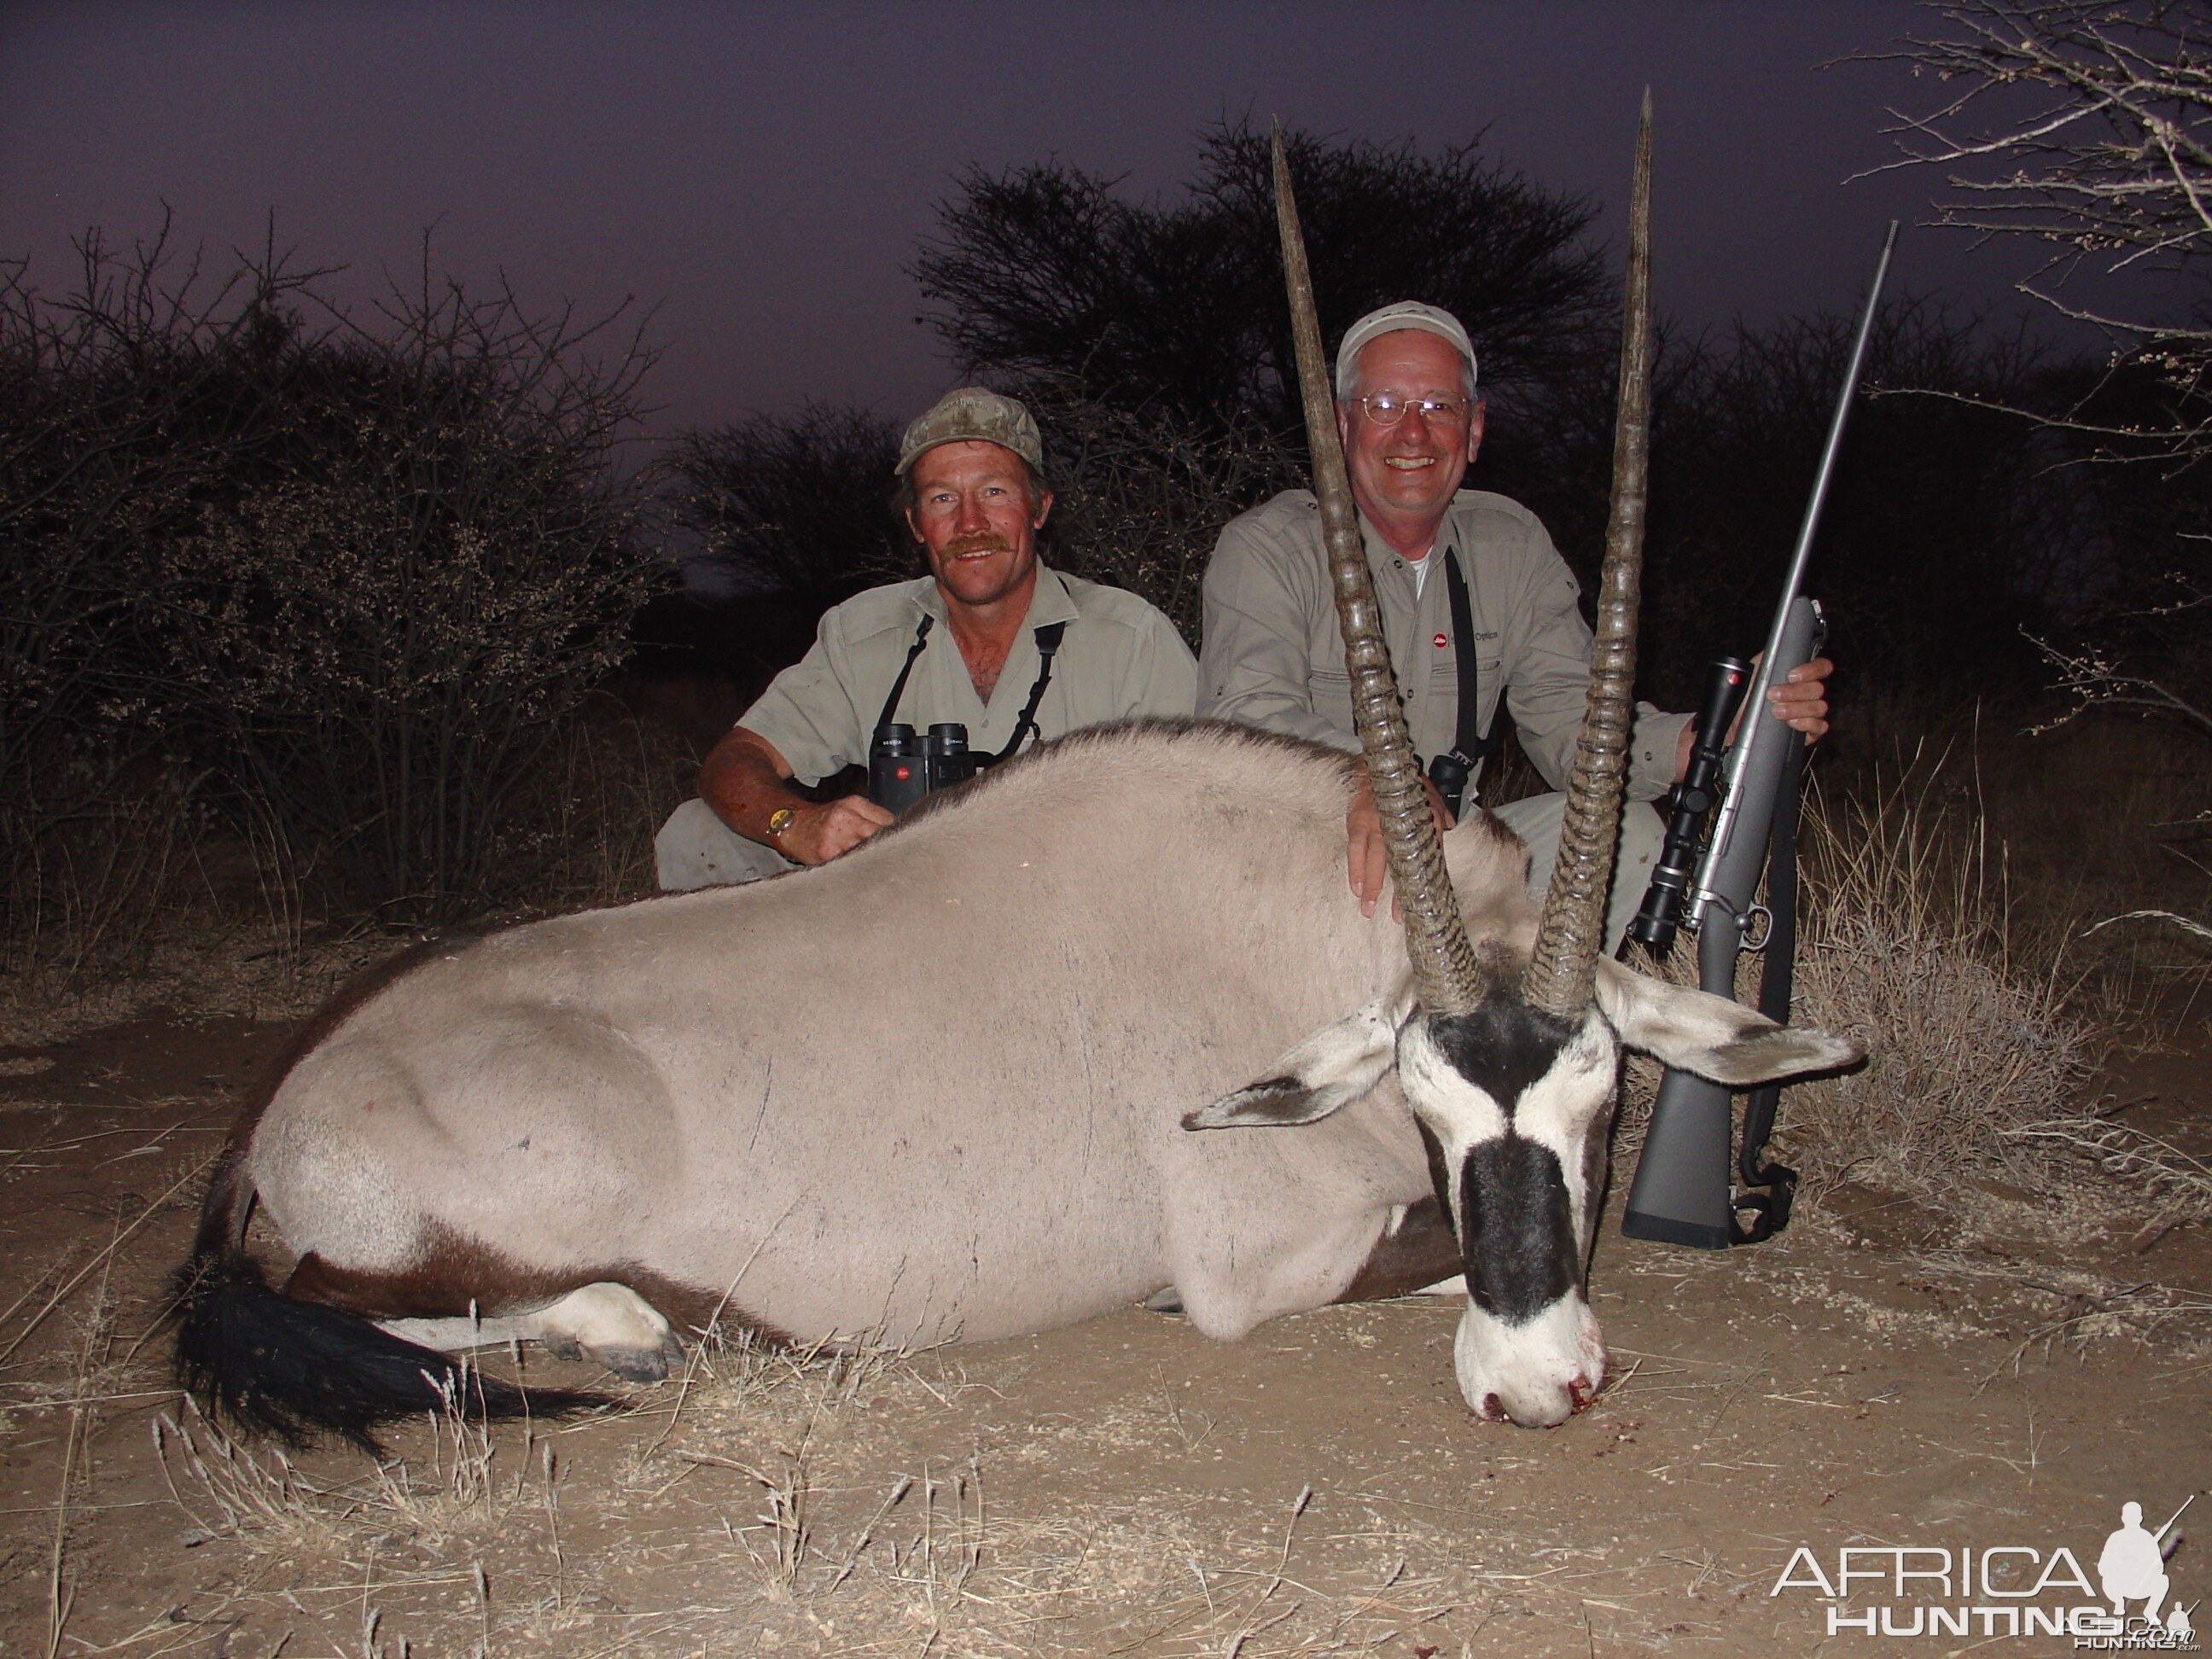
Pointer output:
x,y
1471,743
898,686
1047,644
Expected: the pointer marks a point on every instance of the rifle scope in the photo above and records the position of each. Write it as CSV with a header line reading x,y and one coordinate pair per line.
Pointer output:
x,y
1687,803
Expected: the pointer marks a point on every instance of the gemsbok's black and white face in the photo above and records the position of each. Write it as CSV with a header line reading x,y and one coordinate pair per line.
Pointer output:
x,y
1508,1094
1510,1097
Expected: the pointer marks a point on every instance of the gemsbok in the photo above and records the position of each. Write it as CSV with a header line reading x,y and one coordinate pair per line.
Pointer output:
x,y
945,1088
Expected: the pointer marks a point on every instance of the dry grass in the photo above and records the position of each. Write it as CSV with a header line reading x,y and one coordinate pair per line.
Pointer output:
x,y
813,1502
2096,819
1909,942
866,1539
588,835
1975,1023
151,905
2177,1185
462,1488
1951,919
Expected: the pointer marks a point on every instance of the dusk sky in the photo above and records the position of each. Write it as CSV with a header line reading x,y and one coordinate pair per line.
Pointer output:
x,y
760,173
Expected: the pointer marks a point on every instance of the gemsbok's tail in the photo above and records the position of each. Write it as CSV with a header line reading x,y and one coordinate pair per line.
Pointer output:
x,y
297,1369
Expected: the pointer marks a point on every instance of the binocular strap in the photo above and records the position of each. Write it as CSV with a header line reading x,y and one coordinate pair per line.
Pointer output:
x,y
1047,644
1452,771
1470,743
898,686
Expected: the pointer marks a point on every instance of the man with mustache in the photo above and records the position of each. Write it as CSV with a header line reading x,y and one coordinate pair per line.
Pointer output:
x,y
1274,656
1010,648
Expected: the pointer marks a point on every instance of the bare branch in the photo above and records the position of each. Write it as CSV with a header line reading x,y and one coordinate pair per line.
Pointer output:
x,y
2085,126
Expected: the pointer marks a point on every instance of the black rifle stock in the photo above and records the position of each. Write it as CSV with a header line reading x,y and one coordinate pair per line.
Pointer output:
x,y
1681,1193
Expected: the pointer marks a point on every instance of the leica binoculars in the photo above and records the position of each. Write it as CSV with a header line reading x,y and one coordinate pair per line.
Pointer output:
x,y
902,769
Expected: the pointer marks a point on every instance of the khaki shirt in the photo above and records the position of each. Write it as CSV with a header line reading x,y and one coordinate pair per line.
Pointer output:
x,y
1274,658
1119,658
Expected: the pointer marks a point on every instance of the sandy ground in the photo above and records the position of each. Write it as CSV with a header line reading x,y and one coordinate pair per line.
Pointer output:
x,y
1883,1376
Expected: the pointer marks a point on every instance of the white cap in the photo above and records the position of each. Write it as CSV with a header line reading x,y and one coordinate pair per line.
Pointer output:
x,y
1405,313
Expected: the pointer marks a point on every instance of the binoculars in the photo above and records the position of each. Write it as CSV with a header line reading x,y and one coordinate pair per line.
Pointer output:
x,y
1451,772
901,770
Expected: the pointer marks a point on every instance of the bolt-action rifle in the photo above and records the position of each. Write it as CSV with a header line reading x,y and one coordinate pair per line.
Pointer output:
x,y
1682,1194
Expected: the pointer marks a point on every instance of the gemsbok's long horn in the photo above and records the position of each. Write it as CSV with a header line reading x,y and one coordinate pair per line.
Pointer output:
x,y
1447,979
1562,973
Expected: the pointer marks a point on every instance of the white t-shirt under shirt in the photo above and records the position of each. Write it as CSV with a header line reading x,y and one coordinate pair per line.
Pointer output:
x,y
1419,567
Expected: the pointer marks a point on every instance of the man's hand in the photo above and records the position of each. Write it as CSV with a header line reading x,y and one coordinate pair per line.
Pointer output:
x,y
1366,861
819,832
1801,700
747,782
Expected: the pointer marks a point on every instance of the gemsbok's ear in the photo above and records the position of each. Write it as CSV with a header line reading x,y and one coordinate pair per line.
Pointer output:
x,y
1711,1036
1329,1070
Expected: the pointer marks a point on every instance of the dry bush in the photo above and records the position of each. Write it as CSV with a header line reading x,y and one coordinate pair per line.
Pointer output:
x,y
1905,940
118,406
2083,127
584,833
360,572
379,645
153,901
1142,494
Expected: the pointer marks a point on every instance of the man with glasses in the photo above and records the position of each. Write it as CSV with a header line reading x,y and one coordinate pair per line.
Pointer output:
x,y
990,639
1468,581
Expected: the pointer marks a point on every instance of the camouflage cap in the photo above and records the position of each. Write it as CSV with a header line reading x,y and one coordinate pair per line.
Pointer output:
x,y
971,413
1405,313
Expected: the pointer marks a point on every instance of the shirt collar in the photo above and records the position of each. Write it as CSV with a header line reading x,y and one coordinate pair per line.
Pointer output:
x,y
1385,561
1050,600
1381,555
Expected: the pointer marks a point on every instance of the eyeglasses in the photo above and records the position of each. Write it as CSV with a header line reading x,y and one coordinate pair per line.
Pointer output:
x,y
1388,409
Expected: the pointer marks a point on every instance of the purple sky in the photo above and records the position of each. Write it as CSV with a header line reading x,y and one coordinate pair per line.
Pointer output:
x,y
760,173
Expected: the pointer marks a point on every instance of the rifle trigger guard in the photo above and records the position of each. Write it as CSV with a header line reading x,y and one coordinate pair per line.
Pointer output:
x,y
1763,919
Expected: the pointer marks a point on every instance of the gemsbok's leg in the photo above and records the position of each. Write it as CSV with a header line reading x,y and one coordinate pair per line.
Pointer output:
x,y
606,1323
1418,1254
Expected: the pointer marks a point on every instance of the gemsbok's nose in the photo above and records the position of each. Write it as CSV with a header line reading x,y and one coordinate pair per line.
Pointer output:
x,y
1537,1373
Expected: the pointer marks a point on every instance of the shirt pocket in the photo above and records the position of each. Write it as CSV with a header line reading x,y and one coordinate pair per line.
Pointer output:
x,y
1493,692
1331,691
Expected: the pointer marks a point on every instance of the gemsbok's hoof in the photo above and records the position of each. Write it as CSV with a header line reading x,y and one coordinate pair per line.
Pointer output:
x,y
637,1364
610,1325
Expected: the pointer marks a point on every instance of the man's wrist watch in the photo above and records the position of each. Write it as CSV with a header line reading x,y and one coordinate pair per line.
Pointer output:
x,y
779,821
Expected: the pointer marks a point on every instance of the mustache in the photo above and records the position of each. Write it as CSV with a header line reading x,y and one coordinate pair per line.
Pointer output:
x,y
985,541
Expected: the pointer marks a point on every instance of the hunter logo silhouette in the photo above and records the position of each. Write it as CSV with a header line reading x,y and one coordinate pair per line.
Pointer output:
x,y
2132,1566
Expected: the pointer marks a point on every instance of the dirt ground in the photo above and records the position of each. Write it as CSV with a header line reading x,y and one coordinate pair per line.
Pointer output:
x,y
1883,1375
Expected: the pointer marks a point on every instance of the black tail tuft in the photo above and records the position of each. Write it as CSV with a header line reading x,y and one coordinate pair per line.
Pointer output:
x,y
299,1369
